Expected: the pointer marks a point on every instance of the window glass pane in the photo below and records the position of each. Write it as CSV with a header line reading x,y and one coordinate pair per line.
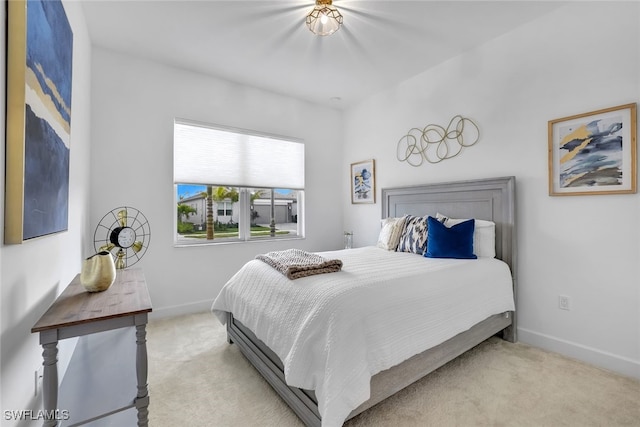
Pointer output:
x,y
282,208
191,213
193,226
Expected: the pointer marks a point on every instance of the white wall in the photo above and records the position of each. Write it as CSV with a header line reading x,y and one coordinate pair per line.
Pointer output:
x,y
33,274
580,58
134,103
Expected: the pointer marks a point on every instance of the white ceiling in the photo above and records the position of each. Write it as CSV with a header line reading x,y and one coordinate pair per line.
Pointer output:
x,y
266,44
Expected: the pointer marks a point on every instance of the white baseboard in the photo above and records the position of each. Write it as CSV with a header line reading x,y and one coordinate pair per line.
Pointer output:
x,y
179,310
599,358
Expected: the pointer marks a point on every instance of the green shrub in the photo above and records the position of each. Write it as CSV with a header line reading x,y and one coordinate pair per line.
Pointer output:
x,y
185,228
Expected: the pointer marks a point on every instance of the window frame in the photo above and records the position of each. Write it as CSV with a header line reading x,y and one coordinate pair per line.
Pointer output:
x,y
244,199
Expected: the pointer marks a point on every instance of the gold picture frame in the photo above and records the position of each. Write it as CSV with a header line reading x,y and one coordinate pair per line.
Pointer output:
x,y
594,153
39,82
363,182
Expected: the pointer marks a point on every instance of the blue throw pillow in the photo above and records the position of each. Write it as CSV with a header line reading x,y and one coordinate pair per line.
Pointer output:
x,y
450,242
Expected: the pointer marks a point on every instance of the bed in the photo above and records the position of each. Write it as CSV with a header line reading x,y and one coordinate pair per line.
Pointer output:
x,y
330,392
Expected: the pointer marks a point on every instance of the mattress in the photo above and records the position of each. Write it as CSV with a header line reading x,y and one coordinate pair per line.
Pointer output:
x,y
334,331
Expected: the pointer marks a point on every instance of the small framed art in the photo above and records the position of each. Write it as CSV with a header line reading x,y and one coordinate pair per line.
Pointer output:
x,y
363,182
593,153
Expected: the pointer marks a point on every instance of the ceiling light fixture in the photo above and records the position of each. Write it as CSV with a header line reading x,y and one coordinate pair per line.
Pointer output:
x,y
324,19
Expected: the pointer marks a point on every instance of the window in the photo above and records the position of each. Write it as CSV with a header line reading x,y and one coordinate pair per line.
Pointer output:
x,y
225,209
234,185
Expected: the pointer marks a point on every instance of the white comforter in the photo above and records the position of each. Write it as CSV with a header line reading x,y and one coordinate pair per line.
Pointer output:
x,y
334,331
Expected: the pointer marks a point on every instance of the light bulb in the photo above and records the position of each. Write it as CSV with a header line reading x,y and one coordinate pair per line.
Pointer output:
x,y
323,19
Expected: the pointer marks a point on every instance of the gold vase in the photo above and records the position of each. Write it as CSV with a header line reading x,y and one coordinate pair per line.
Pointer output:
x,y
98,272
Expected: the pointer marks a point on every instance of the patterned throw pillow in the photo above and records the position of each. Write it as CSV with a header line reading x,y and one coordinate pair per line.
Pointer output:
x,y
414,235
390,233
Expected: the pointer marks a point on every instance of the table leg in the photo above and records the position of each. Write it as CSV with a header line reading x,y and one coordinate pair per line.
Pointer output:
x,y
50,382
142,399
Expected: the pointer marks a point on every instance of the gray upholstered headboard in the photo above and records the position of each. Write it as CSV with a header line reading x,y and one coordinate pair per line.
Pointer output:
x,y
490,199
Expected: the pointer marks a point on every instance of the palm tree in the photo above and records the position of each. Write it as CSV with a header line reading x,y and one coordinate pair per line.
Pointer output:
x,y
185,211
254,215
256,195
223,193
218,194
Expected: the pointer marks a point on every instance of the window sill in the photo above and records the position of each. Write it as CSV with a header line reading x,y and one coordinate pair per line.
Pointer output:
x,y
182,244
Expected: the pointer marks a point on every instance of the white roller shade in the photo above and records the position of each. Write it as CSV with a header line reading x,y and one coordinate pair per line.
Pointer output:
x,y
208,155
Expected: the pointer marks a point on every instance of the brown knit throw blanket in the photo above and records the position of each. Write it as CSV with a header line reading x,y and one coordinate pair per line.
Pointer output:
x,y
296,263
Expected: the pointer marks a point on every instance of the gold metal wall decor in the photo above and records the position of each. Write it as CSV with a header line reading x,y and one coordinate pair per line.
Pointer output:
x,y
39,81
435,143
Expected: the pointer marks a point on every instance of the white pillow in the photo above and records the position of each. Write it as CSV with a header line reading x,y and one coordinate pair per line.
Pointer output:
x,y
484,235
390,233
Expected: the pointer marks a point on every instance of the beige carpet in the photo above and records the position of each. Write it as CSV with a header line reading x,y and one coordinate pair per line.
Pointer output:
x,y
197,379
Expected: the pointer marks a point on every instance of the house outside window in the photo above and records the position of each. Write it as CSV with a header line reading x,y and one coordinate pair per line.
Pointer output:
x,y
225,209
207,159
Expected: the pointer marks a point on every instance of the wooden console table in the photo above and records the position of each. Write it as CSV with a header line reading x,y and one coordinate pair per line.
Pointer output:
x,y
77,312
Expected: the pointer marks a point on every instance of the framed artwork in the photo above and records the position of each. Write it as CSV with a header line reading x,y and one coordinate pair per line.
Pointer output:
x,y
593,153
39,80
363,182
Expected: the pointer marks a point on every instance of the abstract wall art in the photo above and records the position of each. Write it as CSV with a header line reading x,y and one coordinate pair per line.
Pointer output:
x,y
39,81
363,184
593,153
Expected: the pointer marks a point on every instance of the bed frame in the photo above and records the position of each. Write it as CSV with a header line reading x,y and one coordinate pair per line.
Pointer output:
x,y
489,199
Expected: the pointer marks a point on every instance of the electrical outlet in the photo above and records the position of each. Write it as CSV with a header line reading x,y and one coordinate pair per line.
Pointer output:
x,y
37,381
564,303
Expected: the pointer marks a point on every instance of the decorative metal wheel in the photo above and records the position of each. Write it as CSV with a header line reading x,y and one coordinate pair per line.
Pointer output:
x,y
125,233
